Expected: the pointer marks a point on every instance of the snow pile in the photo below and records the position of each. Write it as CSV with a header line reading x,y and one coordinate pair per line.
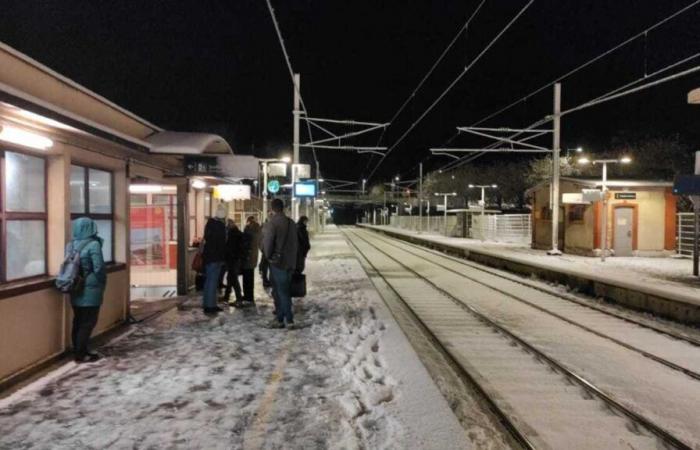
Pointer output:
x,y
186,380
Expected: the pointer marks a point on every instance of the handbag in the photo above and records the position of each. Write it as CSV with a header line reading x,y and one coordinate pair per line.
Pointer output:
x,y
198,262
276,258
298,287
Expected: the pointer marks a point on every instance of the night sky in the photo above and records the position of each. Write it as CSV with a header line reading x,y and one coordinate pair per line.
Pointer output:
x,y
217,66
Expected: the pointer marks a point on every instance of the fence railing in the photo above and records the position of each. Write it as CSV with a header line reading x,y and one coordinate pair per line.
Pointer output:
x,y
515,228
685,235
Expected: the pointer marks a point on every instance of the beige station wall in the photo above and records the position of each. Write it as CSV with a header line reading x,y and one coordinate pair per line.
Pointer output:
x,y
36,326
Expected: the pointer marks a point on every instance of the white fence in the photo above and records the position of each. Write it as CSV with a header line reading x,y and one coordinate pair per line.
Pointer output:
x,y
514,228
685,236
431,224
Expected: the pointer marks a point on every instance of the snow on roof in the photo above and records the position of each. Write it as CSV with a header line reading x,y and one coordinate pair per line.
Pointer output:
x,y
180,143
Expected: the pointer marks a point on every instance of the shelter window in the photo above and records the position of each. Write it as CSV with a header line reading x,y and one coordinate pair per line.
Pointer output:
x,y
576,213
91,195
22,216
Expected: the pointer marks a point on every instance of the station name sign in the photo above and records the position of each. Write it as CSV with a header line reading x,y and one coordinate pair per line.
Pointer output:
x,y
625,195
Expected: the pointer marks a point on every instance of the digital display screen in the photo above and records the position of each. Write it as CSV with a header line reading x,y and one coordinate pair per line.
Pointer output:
x,y
305,189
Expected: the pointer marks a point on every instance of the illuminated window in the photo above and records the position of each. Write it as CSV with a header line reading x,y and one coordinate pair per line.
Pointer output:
x,y
94,201
22,216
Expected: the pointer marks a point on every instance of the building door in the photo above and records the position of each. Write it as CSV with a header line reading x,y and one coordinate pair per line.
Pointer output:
x,y
624,223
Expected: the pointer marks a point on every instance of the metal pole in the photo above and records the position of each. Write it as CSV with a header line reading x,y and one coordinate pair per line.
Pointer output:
x,y
296,112
696,221
264,197
427,211
605,212
445,215
483,203
420,198
556,138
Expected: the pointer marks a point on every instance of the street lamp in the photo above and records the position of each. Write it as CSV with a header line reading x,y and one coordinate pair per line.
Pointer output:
x,y
483,188
445,195
364,182
604,190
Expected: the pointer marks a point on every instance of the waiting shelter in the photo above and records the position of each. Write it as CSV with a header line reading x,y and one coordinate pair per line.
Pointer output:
x,y
67,152
641,217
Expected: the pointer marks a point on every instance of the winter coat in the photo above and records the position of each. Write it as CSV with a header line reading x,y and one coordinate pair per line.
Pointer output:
x,y
234,246
280,236
214,241
91,263
304,244
251,244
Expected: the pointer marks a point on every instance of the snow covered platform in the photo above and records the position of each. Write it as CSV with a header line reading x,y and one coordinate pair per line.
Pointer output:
x,y
347,379
661,286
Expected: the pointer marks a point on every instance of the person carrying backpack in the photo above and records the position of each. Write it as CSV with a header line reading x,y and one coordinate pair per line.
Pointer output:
x,y
87,289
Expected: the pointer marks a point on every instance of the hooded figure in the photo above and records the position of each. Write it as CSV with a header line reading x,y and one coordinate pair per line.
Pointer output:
x,y
86,303
91,263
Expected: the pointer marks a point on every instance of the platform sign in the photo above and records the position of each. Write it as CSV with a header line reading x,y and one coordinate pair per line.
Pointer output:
x,y
300,171
229,192
273,186
592,195
625,195
277,170
573,198
305,189
686,185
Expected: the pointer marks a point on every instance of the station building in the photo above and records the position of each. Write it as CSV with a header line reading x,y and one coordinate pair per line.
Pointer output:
x,y
67,152
641,218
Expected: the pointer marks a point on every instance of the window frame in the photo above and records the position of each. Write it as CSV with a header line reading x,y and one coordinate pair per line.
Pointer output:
x,y
6,216
97,216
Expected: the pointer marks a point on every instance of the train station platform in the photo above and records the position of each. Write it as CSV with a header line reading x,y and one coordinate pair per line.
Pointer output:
x,y
347,378
661,286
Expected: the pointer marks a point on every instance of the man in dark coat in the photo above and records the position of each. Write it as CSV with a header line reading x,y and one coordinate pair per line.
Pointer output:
x,y
251,244
304,243
280,242
214,255
234,257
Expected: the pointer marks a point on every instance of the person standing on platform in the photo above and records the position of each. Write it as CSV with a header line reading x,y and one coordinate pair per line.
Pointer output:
x,y
251,244
87,301
280,242
304,243
264,265
234,256
214,255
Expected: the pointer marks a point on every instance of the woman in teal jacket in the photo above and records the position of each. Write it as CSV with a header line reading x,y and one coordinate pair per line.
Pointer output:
x,y
86,303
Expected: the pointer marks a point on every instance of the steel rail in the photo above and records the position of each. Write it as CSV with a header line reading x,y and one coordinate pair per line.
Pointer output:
x,y
589,386
644,353
562,295
501,416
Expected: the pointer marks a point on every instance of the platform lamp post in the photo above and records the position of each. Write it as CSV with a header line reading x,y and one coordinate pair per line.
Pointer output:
x,y
445,195
483,188
265,162
604,192
694,99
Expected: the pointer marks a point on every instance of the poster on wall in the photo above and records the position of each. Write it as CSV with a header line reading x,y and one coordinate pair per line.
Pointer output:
x,y
148,238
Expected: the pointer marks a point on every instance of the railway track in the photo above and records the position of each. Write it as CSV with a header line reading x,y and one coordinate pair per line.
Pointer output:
x,y
542,400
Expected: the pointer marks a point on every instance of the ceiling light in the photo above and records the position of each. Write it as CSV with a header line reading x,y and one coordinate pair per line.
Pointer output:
x,y
25,138
145,189
198,184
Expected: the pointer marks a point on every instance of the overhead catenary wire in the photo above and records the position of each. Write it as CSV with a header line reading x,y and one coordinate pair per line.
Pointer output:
x,y
291,74
589,62
437,62
451,85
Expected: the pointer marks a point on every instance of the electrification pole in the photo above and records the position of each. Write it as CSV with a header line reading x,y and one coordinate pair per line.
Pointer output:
x,y
420,198
295,143
556,143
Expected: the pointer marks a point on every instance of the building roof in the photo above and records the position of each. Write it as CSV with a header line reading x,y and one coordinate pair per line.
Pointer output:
x,y
612,183
179,143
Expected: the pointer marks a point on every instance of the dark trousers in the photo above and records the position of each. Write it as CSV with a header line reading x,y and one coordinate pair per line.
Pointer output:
x,y
84,321
232,272
248,284
281,293
264,270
